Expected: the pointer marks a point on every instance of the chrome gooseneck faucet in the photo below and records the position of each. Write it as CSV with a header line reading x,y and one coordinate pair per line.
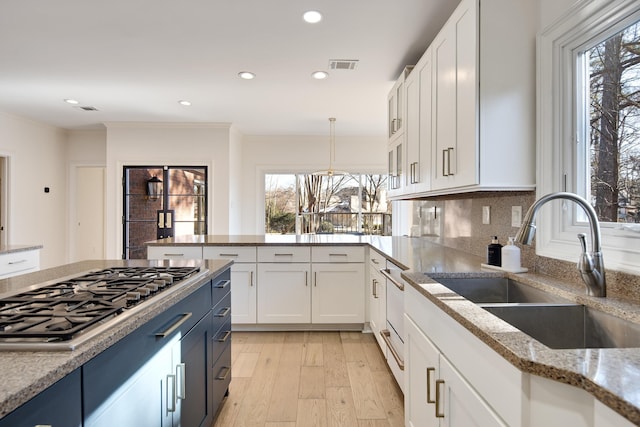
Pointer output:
x,y
590,264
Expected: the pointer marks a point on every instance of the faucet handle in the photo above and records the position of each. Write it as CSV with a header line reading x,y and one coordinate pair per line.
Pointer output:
x,y
582,237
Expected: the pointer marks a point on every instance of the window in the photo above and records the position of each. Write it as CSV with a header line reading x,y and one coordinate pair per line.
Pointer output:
x,y
320,204
589,128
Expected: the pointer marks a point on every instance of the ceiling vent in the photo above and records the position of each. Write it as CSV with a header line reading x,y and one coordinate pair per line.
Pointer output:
x,y
343,64
88,108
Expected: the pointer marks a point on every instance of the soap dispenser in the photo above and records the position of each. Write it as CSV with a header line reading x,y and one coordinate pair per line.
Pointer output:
x,y
511,256
494,251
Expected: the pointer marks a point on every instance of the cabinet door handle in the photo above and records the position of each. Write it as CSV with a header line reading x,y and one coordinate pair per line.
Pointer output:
x,y
183,318
223,376
374,288
181,380
222,284
306,278
226,336
315,279
171,388
223,312
385,273
450,150
438,396
251,279
429,372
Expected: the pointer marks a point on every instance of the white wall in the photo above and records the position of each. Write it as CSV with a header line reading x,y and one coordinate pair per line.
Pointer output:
x,y
37,158
286,154
170,144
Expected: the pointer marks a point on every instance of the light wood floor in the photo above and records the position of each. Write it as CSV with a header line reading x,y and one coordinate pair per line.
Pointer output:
x,y
324,379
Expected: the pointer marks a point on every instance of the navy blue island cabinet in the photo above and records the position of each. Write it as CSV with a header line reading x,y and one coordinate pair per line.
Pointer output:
x,y
174,370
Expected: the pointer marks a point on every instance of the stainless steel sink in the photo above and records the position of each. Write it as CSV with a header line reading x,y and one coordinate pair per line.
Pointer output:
x,y
566,326
498,290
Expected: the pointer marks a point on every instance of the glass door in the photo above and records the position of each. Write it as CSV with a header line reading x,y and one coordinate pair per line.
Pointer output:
x,y
160,202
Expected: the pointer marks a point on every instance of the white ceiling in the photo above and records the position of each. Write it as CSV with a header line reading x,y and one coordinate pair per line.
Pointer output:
x,y
135,59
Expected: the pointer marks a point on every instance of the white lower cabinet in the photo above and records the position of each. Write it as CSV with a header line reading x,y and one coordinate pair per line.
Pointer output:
x,y
436,394
377,302
19,262
338,293
285,293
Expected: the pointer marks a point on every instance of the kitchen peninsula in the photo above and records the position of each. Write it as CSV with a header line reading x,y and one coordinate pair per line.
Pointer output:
x,y
166,323
592,387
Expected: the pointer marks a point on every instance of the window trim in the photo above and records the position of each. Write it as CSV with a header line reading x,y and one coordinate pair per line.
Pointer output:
x,y
558,120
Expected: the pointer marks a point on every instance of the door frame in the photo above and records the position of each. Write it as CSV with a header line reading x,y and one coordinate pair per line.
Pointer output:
x,y
5,197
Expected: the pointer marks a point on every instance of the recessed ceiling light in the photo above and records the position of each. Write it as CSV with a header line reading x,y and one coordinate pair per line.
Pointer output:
x,y
247,75
320,75
71,101
185,103
312,17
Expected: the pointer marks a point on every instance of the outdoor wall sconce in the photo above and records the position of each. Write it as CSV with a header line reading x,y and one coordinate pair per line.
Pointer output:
x,y
154,188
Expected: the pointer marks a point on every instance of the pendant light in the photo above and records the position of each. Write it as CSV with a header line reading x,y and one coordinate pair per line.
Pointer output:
x,y
332,151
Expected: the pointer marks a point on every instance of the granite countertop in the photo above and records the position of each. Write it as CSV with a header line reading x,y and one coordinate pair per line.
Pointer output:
x,y
8,249
611,375
26,373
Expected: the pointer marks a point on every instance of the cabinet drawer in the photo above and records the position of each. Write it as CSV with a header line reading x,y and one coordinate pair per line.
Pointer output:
x,y
236,253
221,338
221,312
335,254
376,261
284,254
220,286
19,262
221,377
174,252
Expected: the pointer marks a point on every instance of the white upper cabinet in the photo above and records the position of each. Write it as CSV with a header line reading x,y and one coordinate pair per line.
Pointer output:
x,y
470,104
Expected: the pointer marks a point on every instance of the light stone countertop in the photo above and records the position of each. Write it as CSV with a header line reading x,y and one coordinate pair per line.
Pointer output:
x,y
26,373
611,375
9,249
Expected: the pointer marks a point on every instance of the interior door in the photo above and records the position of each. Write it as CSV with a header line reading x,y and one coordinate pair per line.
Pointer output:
x,y
179,206
89,213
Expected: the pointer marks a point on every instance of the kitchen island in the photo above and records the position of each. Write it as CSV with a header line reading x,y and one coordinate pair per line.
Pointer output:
x,y
586,386
27,373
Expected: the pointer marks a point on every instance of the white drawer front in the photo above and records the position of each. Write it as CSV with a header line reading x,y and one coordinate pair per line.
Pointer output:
x,y
284,254
336,254
235,253
19,262
174,252
376,260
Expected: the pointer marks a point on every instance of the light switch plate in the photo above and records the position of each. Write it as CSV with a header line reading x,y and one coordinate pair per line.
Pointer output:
x,y
486,214
516,216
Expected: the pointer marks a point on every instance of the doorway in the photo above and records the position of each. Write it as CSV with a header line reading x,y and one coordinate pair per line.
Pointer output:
x,y
162,201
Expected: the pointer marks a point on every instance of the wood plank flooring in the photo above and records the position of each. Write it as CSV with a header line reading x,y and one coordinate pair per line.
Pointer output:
x,y
319,379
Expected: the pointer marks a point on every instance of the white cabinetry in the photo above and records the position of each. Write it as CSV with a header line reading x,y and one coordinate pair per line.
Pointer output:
x,y
19,262
470,107
377,298
418,126
396,145
451,377
174,252
243,279
285,292
338,294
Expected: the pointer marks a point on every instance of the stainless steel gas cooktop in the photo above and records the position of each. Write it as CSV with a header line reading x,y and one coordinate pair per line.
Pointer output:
x,y
62,314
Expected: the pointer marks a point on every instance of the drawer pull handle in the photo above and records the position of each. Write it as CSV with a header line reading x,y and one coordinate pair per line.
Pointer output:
x,y
173,254
225,337
17,262
385,273
338,255
222,284
223,376
231,255
438,395
375,261
386,336
223,312
283,254
183,318
429,372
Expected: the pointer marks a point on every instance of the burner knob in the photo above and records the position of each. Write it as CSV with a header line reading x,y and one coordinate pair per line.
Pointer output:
x,y
160,283
153,287
144,292
133,298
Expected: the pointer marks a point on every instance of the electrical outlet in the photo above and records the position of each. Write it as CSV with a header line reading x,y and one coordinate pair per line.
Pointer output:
x,y
486,215
516,216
